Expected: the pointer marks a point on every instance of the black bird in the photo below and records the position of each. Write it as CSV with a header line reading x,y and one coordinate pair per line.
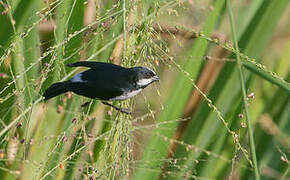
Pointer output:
x,y
105,82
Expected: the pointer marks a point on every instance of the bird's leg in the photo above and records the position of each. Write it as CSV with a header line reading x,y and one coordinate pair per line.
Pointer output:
x,y
85,104
122,110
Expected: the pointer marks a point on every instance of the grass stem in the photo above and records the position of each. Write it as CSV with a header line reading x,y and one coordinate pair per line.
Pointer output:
x,y
124,31
242,82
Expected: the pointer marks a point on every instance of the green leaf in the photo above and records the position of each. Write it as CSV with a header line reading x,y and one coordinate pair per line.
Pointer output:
x,y
156,147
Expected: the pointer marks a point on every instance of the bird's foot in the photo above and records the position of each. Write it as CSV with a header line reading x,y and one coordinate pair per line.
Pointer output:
x,y
124,110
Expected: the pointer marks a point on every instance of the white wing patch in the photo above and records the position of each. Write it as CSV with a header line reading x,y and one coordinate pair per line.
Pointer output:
x,y
126,95
77,78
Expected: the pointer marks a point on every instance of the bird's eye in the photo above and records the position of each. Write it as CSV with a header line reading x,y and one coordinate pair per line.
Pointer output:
x,y
149,75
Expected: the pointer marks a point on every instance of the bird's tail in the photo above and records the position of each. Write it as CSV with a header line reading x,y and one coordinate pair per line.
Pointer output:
x,y
56,89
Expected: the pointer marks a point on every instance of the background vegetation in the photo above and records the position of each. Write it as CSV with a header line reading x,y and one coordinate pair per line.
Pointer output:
x,y
221,110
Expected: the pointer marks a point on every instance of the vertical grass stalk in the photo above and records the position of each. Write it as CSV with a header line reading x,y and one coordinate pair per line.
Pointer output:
x,y
242,82
124,31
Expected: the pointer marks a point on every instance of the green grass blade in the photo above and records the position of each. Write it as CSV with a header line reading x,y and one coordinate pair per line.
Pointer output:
x,y
43,140
209,168
20,15
278,111
224,90
242,83
275,80
70,15
175,103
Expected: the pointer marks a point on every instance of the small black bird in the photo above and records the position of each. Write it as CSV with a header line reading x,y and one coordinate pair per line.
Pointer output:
x,y
105,81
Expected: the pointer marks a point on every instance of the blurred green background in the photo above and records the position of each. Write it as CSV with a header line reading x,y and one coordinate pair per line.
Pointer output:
x,y
197,123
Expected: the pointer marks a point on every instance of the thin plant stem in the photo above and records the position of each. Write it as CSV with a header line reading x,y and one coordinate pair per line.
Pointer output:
x,y
242,82
124,31
269,76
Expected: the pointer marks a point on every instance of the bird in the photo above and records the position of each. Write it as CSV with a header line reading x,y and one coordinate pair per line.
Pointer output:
x,y
104,81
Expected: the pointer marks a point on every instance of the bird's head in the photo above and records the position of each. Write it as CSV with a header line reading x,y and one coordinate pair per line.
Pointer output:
x,y
145,76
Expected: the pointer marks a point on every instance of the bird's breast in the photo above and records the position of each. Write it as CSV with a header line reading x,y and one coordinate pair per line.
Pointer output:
x,y
126,95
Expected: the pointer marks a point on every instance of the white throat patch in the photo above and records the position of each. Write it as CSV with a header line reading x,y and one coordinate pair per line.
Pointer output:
x,y
144,82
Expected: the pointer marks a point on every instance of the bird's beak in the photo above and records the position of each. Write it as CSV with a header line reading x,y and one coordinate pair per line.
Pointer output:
x,y
156,78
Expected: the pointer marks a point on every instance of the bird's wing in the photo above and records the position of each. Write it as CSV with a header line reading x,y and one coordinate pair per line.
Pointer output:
x,y
92,91
90,64
94,65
